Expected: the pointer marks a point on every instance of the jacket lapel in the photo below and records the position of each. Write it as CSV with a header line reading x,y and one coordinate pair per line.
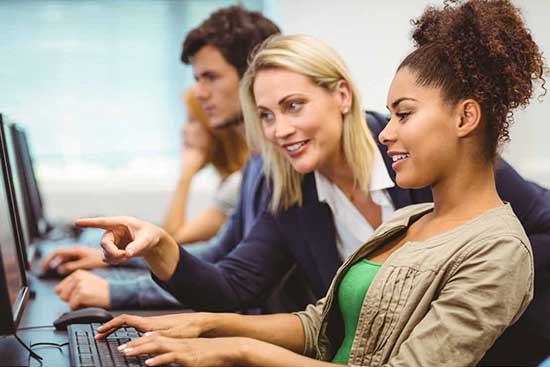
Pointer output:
x,y
315,219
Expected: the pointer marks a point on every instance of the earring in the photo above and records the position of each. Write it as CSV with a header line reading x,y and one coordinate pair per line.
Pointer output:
x,y
345,110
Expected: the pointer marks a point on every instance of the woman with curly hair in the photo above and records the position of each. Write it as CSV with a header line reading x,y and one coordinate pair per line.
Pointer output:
x,y
437,283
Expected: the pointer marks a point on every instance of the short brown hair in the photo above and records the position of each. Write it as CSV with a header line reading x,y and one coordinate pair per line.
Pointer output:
x,y
478,49
234,30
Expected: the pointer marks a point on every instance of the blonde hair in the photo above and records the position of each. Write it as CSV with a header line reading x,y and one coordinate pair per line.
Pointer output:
x,y
230,152
316,60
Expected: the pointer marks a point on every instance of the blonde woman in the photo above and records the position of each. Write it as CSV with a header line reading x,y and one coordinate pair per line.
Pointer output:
x,y
300,106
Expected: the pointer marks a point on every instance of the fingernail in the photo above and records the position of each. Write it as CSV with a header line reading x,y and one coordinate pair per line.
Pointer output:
x,y
128,350
148,333
130,253
122,347
149,361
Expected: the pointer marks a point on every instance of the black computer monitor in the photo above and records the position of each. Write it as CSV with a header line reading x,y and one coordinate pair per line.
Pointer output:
x,y
16,187
14,290
36,220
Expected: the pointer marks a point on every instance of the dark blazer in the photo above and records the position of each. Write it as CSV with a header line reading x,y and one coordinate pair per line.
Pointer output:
x,y
304,236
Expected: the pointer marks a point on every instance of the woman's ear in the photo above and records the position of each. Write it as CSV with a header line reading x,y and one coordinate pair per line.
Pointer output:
x,y
469,112
344,96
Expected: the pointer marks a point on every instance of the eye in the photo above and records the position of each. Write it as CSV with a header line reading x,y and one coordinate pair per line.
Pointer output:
x,y
402,115
266,117
209,77
295,106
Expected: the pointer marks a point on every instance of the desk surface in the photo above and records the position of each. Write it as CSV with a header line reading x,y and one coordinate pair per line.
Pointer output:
x,y
42,310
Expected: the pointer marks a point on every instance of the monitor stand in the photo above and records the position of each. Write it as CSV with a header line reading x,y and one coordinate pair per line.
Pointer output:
x,y
11,342
33,354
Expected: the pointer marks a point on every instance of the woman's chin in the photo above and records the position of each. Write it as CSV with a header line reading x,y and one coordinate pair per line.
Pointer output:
x,y
302,167
408,182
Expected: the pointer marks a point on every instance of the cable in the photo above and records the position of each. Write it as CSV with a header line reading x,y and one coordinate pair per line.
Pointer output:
x,y
59,346
29,361
35,327
33,354
49,344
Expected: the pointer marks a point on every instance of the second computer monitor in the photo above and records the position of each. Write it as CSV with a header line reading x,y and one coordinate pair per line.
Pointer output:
x,y
37,223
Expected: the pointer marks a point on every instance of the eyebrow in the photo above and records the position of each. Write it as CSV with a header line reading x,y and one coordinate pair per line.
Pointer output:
x,y
204,74
398,101
281,101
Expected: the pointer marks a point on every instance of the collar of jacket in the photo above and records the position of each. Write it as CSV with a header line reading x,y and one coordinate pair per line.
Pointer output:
x,y
332,324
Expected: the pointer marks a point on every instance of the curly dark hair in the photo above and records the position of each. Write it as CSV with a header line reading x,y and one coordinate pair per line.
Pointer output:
x,y
234,30
478,49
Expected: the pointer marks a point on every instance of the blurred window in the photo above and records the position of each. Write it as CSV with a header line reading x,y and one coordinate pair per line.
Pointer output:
x,y
97,83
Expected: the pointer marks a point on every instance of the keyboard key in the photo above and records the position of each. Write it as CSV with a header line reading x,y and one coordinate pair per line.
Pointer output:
x,y
87,352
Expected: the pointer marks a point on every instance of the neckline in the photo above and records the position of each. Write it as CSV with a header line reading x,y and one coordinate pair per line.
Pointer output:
x,y
369,262
505,207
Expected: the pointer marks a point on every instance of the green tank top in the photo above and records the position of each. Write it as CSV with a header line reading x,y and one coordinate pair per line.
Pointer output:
x,y
351,293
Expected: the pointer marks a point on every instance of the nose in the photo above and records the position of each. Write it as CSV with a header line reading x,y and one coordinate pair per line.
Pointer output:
x,y
388,135
283,128
200,91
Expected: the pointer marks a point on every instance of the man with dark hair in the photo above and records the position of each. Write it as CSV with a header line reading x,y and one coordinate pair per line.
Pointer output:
x,y
234,31
218,51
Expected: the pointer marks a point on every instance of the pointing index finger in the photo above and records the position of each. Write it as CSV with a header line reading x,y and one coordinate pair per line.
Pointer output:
x,y
100,222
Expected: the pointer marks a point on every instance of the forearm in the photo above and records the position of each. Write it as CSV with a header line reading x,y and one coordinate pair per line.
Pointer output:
x,y
202,228
284,330
204,286
258,353
236,277
175,216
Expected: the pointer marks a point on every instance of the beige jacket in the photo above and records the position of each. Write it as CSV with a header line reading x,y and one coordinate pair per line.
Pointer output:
x,y
441,302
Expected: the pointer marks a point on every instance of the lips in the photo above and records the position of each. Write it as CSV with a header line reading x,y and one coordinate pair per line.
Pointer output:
x,y
209,110
295,148
398,158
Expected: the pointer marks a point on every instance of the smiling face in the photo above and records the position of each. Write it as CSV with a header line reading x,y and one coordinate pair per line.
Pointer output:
x,y
303,121
217,86
421,136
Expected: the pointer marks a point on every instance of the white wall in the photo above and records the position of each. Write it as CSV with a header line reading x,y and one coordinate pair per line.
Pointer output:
x,y
374,36
144,195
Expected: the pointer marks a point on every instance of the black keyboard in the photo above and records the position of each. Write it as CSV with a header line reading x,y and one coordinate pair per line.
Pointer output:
x,y
85,351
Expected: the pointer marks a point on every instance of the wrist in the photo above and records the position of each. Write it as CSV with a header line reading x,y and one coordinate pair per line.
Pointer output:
x,y
243,353
209,324
163,257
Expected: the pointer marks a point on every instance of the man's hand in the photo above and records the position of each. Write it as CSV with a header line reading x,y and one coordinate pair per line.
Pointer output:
x,y
84,289
74,258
